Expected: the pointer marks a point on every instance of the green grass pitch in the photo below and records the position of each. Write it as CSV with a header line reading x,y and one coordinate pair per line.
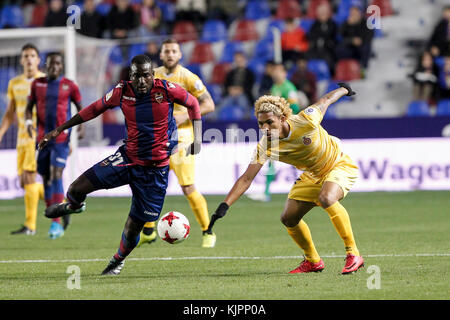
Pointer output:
x,y
405,235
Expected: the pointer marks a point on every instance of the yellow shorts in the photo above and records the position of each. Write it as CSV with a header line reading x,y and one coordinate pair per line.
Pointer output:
x,y
308,189
183,166
26,158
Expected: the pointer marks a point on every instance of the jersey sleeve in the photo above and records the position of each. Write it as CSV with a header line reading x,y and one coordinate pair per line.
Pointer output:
x,y
75,94
32,95
312,115
10,92
180,96
195,86
113,97
109,101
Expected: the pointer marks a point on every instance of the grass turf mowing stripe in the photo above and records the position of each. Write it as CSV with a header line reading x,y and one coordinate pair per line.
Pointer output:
x,y
227,258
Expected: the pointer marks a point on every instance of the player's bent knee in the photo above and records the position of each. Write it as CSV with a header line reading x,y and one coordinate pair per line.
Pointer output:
x,y
288,220
327,199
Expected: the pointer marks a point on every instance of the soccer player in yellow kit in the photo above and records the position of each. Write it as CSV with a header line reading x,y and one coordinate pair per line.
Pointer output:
x,y
182,165
18,91
328,173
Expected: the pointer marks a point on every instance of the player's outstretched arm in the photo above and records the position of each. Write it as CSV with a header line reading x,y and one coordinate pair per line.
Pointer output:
x,y
75,120
240,186
331,97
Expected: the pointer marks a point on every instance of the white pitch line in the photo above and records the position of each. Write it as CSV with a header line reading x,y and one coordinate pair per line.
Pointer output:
x,y
228,258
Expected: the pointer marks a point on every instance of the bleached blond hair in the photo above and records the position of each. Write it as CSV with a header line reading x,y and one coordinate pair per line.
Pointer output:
x,y
278,105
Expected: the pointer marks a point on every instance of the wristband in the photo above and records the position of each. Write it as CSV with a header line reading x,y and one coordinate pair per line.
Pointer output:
x,y
28,122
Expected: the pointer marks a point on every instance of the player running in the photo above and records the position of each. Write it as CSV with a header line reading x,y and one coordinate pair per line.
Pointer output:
x,y
328,173
18,91
52,96
184,166
143,162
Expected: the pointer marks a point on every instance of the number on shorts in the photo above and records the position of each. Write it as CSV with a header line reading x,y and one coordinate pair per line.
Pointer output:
x,y
116,159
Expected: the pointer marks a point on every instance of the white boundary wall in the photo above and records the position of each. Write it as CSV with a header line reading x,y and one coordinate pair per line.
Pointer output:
x,y
385,165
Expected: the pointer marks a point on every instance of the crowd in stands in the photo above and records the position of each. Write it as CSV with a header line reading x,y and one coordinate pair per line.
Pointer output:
x,y
322,41
431,77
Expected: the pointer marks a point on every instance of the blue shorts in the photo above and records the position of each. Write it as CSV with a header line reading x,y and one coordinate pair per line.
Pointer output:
x,y
148,184
54,154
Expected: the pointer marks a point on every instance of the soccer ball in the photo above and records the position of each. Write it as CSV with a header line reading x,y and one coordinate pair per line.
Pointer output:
x,y
173,227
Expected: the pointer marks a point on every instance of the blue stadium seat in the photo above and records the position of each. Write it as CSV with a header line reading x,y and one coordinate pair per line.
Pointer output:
x,y
344,8
257,9
115,56
195,68
319,68
216,92
306,24
135,49
276,23
103,8
167,10
264,49
214,30
11,17
231,113
443,108
257,65
418,108
229,49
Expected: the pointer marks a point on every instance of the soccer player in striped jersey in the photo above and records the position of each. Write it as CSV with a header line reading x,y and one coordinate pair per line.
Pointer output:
x,y
143,161
328,173
52,96
18,91
184,165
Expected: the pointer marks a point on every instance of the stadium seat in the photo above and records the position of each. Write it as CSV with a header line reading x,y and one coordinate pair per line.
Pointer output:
x,y
11,17
135,49
306,24
219,73
103,8
319,68
168,10
202,53
195,68
288,9
257,9
313,5
418,108
214,30
443,108
38,15
385,7
229,50
257,65
184,31
264,49
115,55
347,70
343,9
216,92
245,31
277,23
231,113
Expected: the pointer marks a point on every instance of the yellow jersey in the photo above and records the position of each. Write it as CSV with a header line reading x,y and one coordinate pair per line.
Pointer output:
x,y
308,146
18,91
190,82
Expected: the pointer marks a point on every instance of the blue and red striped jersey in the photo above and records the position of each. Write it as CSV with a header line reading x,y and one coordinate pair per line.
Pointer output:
x,y
52,99
151,128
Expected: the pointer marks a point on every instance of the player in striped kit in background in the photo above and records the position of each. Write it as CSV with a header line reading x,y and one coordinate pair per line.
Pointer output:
x,y
143,161
52,96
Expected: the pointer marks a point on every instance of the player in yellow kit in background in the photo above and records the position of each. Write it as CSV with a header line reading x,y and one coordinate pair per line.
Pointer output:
x,y
328,173
183,166
18,91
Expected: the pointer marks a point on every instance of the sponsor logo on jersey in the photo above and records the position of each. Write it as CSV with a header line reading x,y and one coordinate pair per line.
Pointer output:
x,y
159,97
41,84
129,98
65,87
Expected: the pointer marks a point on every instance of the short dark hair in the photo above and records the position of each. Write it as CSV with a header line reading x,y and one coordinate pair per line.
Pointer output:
x,y
169,40
141,59
54,53
29,46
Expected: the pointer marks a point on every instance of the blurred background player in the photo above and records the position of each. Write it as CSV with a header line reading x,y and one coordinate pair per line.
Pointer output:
x,y
143,162
18,91
183,166
52,96
328,173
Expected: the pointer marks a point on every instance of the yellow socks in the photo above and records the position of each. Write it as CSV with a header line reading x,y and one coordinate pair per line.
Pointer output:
x,y
200,208
302,236
341,221
31,204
